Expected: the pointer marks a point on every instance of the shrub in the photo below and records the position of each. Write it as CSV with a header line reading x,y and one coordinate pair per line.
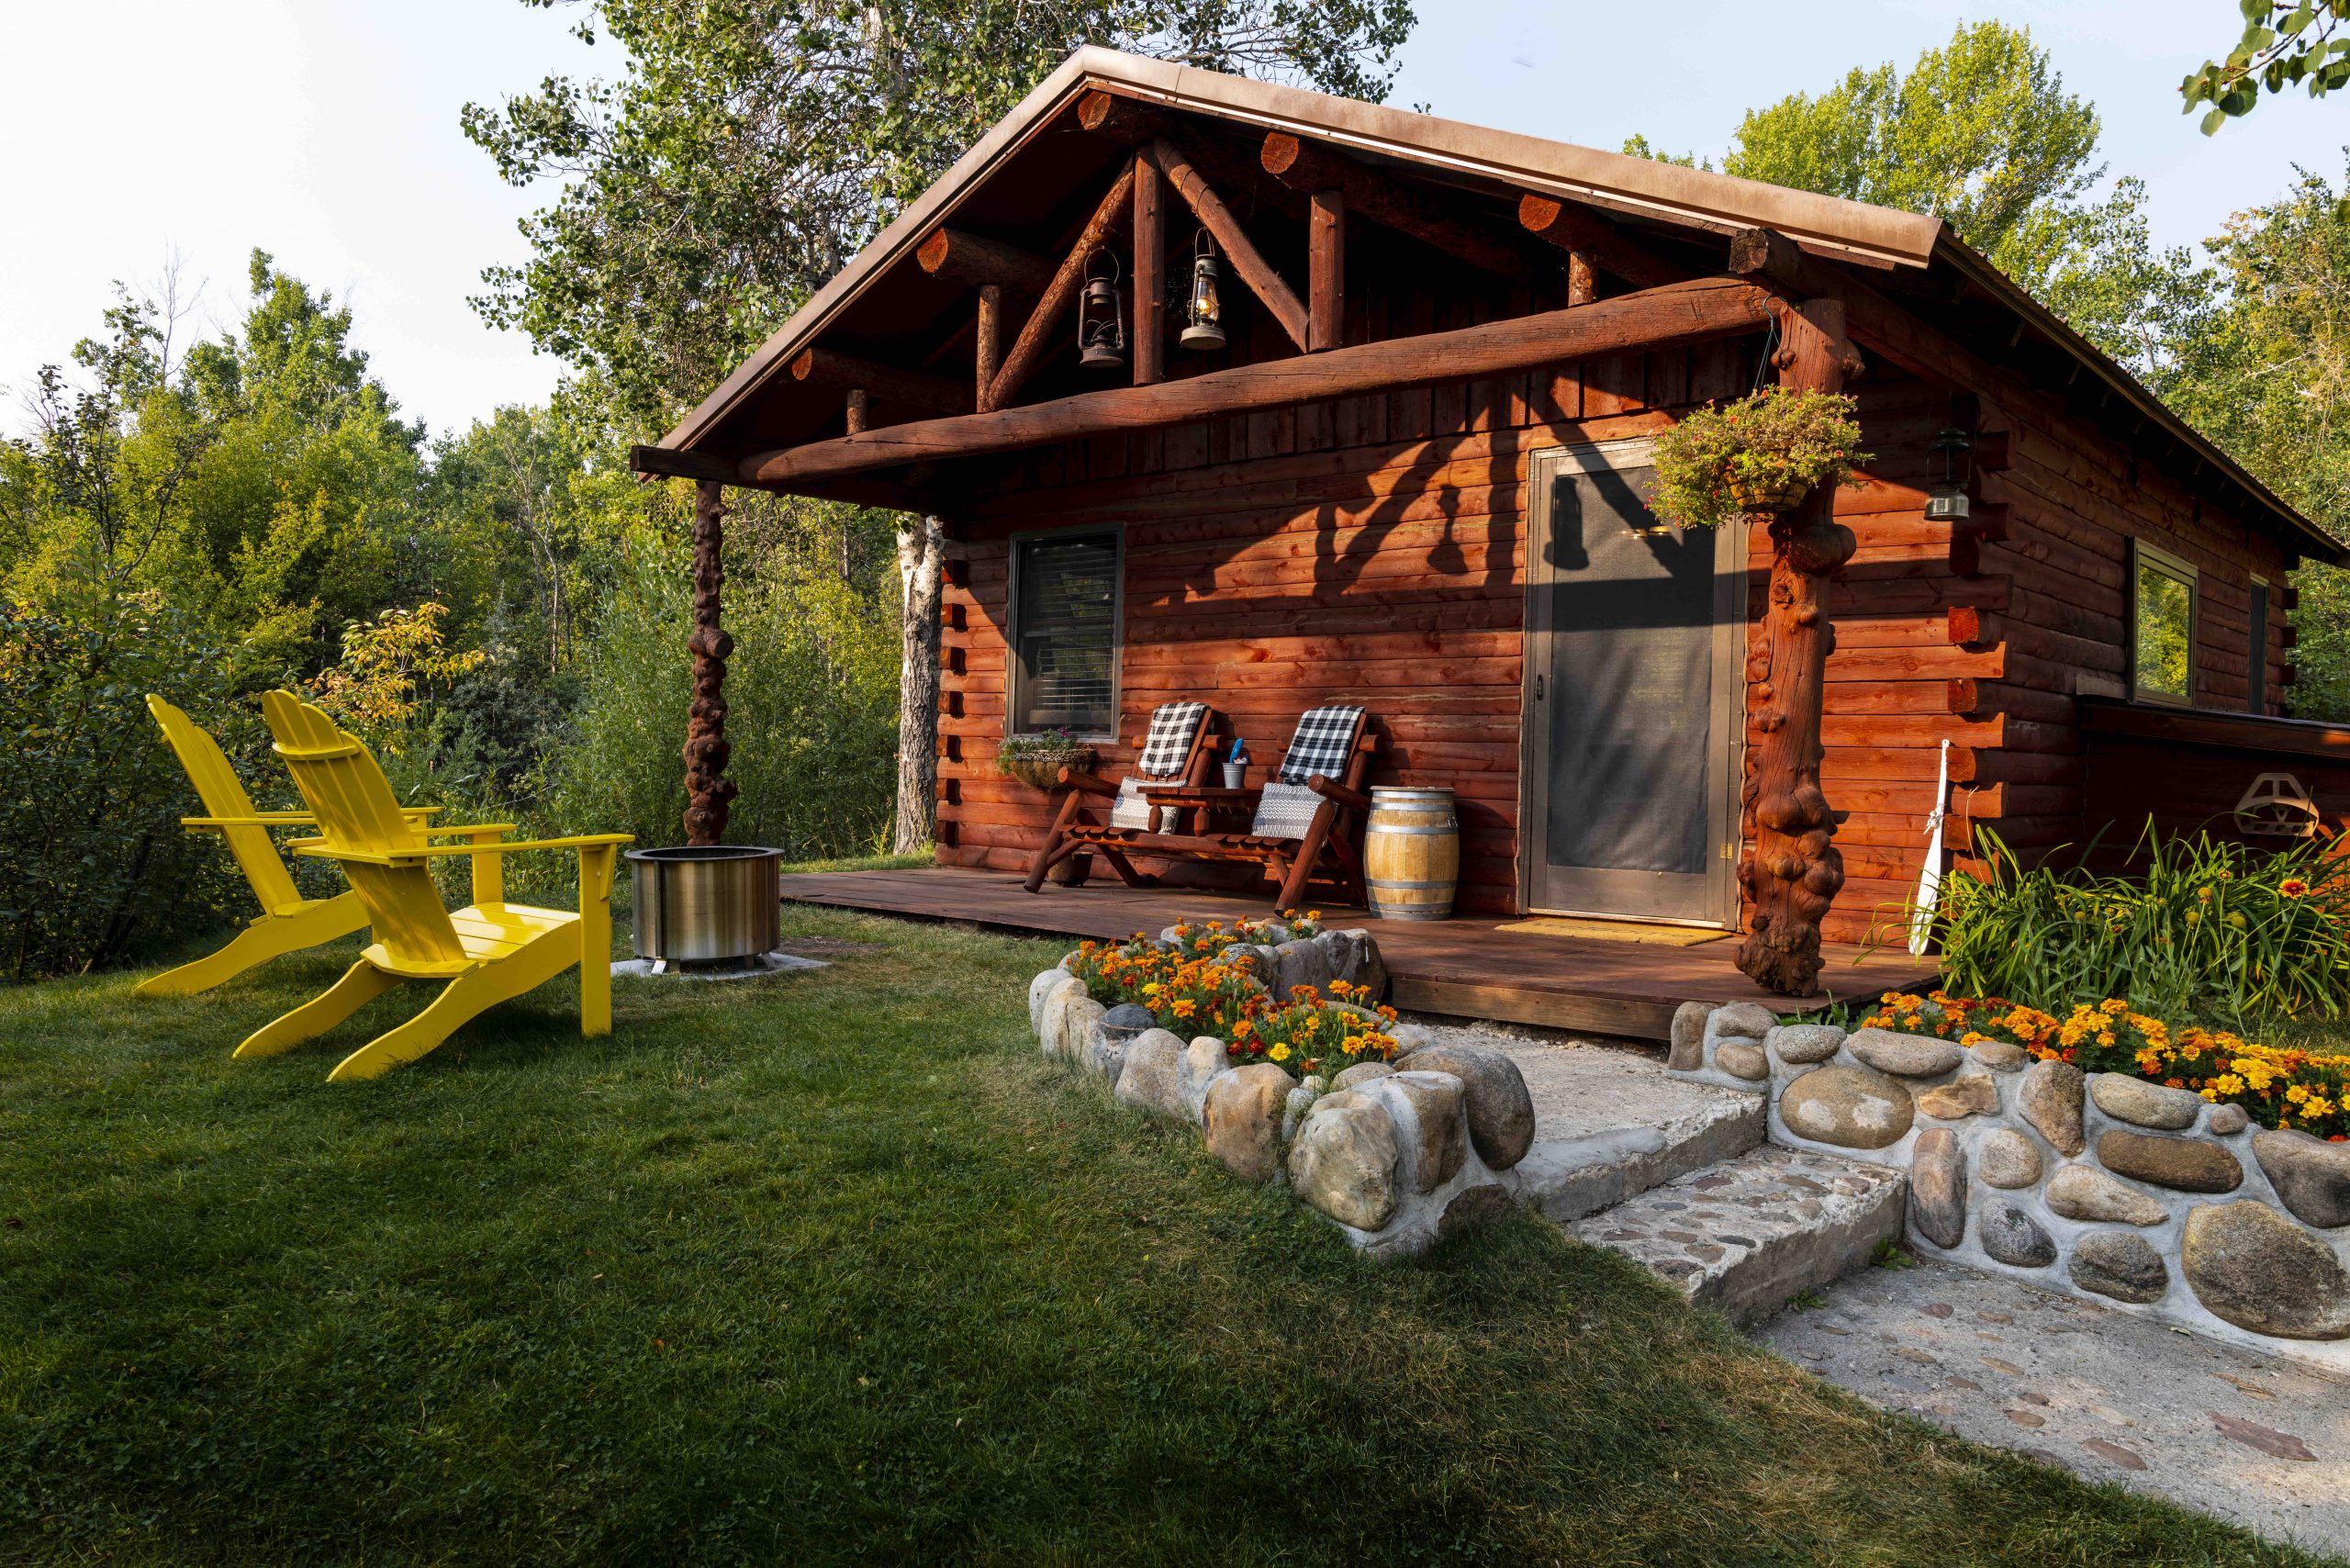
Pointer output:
x,y
2277,1087
2204,929
1769,439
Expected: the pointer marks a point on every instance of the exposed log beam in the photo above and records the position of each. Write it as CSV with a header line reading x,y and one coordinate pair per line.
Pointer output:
x,y
1149,307
1658,318
667,463
968,258
987,351
1306,169
1325,260
1573,227
829,367
1120,119
1028,353
1267,284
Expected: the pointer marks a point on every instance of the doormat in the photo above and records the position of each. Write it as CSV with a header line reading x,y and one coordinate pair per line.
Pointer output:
x,y
1618,931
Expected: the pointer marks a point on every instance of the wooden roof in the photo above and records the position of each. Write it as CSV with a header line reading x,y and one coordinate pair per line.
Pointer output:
x,y
1033,179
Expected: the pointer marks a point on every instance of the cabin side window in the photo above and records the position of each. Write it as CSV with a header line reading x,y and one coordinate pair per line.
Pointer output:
x,y
2257,676
1064,668
2162,618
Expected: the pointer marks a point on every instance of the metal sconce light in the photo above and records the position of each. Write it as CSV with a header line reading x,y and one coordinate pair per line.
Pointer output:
x,y
1203,322
1947,502
1100,319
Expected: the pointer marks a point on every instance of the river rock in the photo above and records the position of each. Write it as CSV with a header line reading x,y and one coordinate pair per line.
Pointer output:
x,y
1851,1107
1409,1036
2311,1175
1080,1027
1938,1187
1299,1104
1106,1048
1969,1094
1743,1021
1304,961
2254,1268
1688,1052
1431,1127
1203,1060
2182,1164
1908,1056
1052,1015
1354,959
1361,1073
2050,1099
2010,1234
2120,1264
1344,1161
1043,985
1500,1112
2145,1105
2083,1192
1241,1119
1472,1208
1741,1061
1798,1044
1999,1056
1152,1073
2007,1159
2227,1120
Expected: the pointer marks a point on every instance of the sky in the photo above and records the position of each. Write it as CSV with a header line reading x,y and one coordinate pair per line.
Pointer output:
x,y
325,132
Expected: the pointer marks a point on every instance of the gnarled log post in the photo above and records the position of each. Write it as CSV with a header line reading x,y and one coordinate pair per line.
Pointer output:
x,y
1794,872
708,790
921,564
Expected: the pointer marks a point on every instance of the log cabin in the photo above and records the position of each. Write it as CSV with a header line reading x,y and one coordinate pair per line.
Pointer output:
x,y
1411,473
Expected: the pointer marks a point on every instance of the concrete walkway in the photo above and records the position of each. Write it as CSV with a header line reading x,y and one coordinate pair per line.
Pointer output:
x,y
2116,1397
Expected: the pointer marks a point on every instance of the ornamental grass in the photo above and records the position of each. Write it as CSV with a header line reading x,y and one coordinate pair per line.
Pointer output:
x,y
2277,1087
1194,985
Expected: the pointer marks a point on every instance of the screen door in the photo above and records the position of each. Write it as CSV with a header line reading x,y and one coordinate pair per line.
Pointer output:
x,y
1627,801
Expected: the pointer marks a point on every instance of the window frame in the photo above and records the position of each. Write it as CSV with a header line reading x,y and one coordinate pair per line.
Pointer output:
x,y
1015,667
2182,571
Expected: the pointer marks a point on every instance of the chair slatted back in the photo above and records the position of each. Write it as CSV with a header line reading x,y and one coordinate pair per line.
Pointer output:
x,y
346,787
223,795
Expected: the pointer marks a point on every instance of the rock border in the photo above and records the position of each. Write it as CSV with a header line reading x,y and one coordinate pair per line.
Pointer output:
x,y
1397,1157
2103,1186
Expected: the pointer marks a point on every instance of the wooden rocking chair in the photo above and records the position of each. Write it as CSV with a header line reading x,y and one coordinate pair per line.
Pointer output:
x,y
288,922
489,952
1178,747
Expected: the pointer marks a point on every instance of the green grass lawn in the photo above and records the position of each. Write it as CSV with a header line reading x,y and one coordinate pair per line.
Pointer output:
x,y
833,1267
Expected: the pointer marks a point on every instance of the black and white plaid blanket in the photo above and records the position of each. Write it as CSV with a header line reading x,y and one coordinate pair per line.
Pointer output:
x,y
1324,739
1173,727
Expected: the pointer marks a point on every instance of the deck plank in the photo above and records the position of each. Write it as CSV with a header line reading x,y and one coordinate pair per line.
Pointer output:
x,y
1462,967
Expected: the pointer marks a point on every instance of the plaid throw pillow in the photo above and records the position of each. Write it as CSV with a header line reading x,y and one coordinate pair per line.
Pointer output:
x,y
1325,738
1173,727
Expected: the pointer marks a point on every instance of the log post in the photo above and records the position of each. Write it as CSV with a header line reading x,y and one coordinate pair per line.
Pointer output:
x,y
1582,278
1149,308
1794,872
708,790
1325,294
921,561
857,413
988,339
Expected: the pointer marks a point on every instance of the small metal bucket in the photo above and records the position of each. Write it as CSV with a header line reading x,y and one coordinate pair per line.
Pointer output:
x,y
705,904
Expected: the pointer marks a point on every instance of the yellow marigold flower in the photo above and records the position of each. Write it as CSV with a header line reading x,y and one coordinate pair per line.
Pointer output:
x,y
2105,1037
2297,1093
2227,1083
2210,1093
1279,1053
1184,1008
2112,1005
1975,1038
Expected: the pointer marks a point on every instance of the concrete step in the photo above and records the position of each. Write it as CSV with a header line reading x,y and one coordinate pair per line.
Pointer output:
x,y
1750,1232
1609,1124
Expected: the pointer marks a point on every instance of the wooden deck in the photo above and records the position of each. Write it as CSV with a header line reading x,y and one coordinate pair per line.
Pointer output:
x,y
1464,967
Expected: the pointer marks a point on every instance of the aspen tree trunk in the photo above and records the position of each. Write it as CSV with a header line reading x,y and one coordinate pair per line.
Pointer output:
x,y
708,790
921,551
1794,872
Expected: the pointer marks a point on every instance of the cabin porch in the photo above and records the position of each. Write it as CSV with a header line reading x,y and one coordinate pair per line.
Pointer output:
x,y
1467,967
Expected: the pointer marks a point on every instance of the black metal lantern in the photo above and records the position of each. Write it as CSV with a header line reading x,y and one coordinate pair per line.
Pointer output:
x,y
1203,322
1100,318
1947,502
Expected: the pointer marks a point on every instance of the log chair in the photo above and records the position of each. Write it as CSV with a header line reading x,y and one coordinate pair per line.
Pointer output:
x,y
1072,834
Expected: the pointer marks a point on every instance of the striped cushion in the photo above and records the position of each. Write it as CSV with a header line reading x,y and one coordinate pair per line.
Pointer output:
x,y
1285,811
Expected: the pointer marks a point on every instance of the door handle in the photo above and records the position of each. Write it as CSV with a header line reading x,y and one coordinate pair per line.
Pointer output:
x,y
1537,688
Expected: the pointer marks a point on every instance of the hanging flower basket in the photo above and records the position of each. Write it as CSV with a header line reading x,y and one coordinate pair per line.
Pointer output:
x,y
1761,454
1037,760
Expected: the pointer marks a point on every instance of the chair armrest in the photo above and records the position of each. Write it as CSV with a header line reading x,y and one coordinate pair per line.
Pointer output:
x,y
1331,789
258,819
471,830
318,849
1087,783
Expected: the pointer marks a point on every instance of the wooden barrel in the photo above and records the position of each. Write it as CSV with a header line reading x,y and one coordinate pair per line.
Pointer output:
x,y
1411,854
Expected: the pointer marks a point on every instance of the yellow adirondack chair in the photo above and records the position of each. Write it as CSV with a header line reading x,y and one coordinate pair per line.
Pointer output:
x,y
490,951
288,922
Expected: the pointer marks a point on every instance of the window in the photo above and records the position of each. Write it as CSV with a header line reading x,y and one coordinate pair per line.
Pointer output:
x,y
2162,615
1065,633
2256,676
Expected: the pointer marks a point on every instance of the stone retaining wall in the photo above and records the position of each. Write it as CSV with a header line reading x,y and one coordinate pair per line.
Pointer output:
x,y
1398,1156
2107,1186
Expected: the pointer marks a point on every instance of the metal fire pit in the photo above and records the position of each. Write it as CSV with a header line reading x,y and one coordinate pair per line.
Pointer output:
x,y
704,904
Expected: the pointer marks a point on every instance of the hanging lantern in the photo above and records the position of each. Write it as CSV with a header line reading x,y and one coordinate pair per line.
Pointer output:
x,y
1204,323
1946,502
1100,318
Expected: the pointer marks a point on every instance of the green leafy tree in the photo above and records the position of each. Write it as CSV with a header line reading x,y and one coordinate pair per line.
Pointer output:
x,y
750,147
2285,43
